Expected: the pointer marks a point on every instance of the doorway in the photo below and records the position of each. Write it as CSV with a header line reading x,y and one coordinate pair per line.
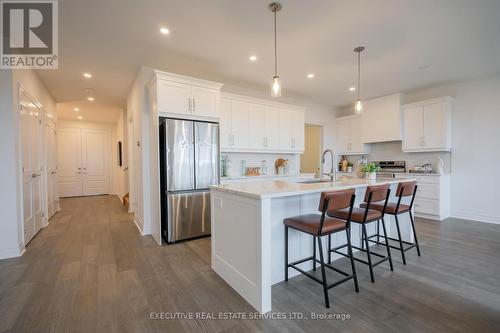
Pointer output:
x,y
310,161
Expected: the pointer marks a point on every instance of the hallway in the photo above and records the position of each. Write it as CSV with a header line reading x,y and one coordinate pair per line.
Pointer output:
x,y
91,271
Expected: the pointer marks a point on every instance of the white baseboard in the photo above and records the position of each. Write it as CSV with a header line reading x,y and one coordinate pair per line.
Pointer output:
x,y
139,224
476,217
12,252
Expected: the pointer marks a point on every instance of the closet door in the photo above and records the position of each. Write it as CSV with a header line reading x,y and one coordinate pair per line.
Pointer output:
x,y
31,135
95,169
69,156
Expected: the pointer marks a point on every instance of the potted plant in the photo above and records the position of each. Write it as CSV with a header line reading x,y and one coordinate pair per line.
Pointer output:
x,y
349,166
370,170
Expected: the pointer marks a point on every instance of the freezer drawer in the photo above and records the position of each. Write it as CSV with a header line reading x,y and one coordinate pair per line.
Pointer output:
x,y
188,215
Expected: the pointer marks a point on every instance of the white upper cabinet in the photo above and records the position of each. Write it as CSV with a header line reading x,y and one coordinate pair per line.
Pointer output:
x,y
186,97
349,136
174,97
381,120
427,125
249,124
204,102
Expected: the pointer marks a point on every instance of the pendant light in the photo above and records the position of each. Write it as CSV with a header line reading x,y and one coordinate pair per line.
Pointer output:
x,y
358,107
275,7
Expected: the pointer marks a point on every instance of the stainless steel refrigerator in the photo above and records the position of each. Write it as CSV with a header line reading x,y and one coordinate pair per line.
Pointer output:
x,y
189,164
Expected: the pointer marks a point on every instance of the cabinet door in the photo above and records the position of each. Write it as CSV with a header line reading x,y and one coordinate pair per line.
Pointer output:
x,y
435,126
356,137
343,135
204,102
174,97
225,124
413,128
256,126
286,130
272,128
239,124
298,127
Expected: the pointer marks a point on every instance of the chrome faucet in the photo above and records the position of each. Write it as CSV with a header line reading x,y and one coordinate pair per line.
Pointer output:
x,y
331,174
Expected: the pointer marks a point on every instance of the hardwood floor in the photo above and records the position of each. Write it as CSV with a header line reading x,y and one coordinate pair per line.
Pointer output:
x,y
91,271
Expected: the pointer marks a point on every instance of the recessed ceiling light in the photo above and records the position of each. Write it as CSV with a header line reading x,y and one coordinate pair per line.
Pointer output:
x,y
87,75
76,109
352,88
253,58
80,117
164,31
90,99
310,76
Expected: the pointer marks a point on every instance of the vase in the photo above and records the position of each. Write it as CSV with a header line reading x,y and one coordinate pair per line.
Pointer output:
x,y
371,175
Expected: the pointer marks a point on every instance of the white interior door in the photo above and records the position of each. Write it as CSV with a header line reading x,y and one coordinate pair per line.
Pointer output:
x,y
69,159
30,118
51,158
95,169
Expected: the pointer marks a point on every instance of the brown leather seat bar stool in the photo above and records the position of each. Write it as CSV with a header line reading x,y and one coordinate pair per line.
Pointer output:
x,y
322,225
379,195
405,189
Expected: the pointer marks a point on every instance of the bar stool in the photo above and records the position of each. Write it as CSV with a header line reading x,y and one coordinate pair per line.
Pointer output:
x,y
405,189
321,225
378,194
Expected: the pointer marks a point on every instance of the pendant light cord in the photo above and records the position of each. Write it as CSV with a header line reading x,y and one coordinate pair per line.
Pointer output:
x,y
275,43
359,73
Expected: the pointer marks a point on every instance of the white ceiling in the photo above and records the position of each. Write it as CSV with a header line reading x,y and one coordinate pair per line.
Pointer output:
x,y
90,111
409,44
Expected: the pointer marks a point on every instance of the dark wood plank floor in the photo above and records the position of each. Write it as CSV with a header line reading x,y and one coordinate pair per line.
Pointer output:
x,y
91,271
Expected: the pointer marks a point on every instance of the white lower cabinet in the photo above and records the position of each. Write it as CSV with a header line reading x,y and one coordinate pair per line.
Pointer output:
x,y
432,200
254,125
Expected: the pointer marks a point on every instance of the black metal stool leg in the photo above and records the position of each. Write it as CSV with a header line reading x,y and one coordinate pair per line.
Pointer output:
x,y
378,231
368,253
387,244
323,273
400,240
362,239
329,248
414,232
351,256
286,253
314,253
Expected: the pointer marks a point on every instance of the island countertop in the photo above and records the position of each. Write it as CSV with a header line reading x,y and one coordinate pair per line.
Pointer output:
x,y
279,188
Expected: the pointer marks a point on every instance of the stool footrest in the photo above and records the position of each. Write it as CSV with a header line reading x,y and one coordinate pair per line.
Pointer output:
x,y
294,264
411,245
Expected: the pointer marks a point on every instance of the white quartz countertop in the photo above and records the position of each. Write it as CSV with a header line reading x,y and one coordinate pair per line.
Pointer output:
x,y
297,175
283,188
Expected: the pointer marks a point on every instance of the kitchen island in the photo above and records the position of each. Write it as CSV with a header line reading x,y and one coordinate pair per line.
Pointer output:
x,y
248,233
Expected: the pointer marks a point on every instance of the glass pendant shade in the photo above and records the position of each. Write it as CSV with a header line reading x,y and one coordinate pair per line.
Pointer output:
x,y
358,107
276,86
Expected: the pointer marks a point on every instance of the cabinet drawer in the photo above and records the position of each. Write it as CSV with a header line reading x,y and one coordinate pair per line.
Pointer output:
x,y
427,191
420,179
426,206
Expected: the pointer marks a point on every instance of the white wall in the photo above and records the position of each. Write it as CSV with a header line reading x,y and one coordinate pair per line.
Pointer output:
x,y
119,173
139,164
475,145
11,226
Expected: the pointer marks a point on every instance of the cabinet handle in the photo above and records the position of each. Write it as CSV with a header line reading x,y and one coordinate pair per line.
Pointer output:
x,y
194,105
189,104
